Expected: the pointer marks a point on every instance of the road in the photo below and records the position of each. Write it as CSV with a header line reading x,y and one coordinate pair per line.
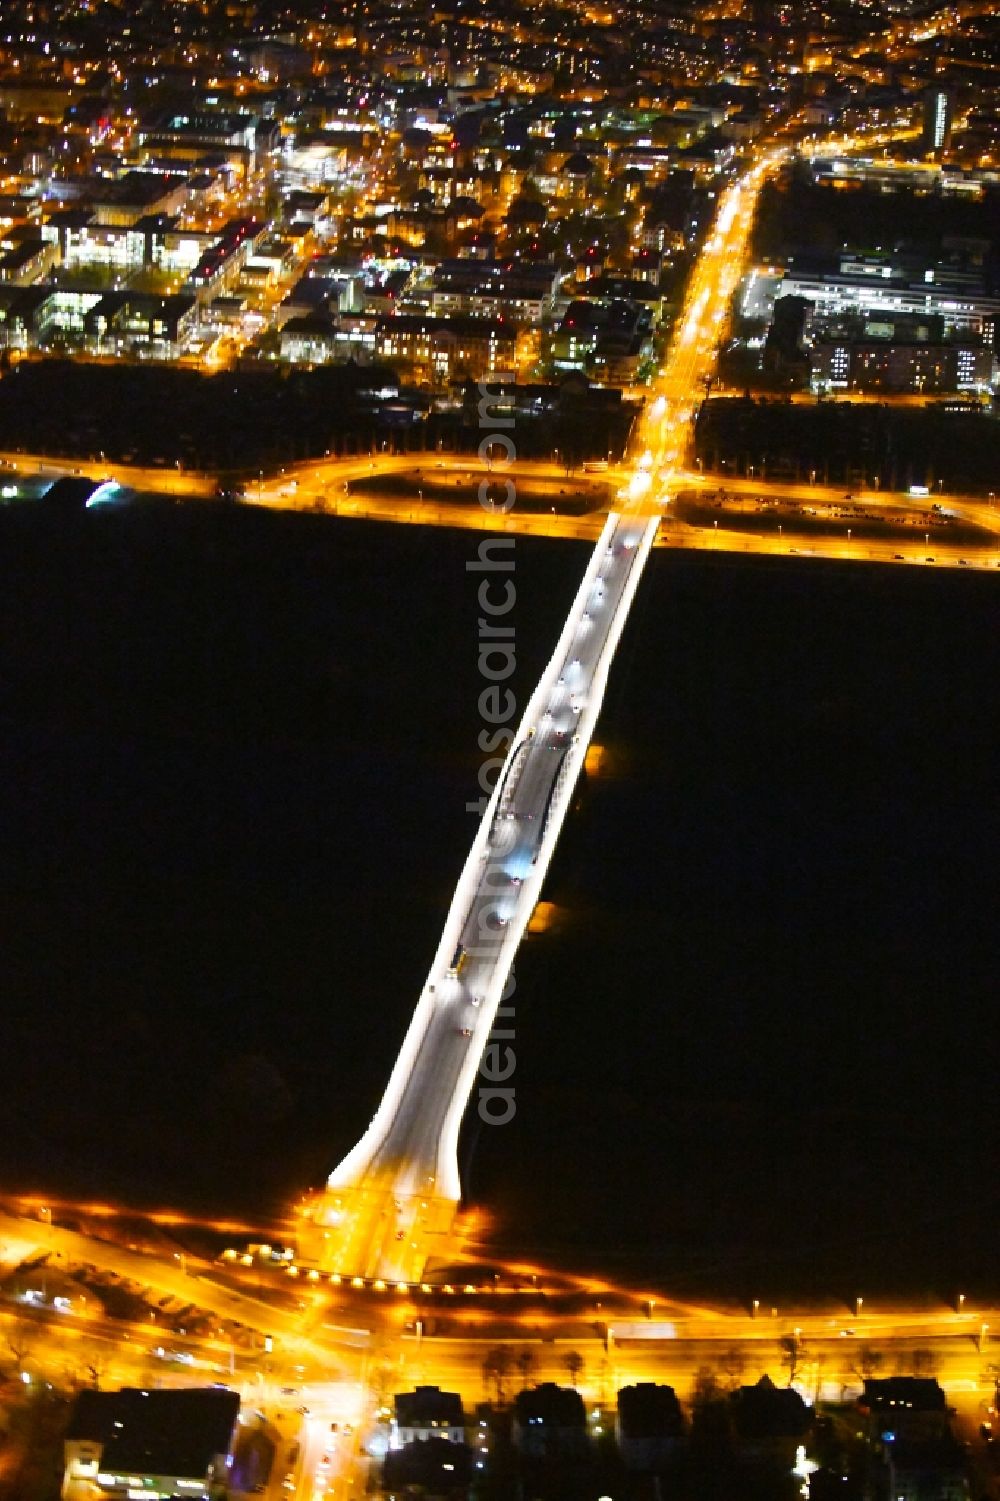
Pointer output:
x,y
391,1202
325,486
328,486
691,357
828,1361
315,1377
299,1367
322,487
388,1197
974,508
203,1289
389,1205
183,483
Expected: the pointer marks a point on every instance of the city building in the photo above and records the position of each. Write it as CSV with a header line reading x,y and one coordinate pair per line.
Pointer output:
x,y
649,1425
24,315
935,1470
308,339
155,1444
98,322
427,1413
927,368
549,1422
432,351
187,135
947,180
137,194
911,1407
26,261
221,264
487,289
834,294
152,240
768,1421
429,1468
605,337
141,321
909,1425
937,113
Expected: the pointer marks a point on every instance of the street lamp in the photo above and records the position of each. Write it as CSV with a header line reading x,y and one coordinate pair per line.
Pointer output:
x,y
858,1304
961,1302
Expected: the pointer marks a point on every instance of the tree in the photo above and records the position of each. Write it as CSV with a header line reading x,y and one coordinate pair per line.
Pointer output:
x,y
817,1377
98,1359
269,344
573,1362
380,1384
526,1365
868,1362
733,1364
791,1354
496,1369
706,1389
37,1422
18,1337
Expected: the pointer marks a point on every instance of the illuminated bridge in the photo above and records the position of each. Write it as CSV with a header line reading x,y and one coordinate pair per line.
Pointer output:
x,y
391,1202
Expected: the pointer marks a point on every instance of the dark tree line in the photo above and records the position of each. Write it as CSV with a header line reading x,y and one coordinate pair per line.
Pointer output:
x,y
856,445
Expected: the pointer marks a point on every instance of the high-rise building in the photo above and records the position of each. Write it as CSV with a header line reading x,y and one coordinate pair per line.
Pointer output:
x,y
937,121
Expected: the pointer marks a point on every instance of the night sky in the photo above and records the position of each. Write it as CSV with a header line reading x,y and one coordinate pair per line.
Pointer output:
x,y
757,1050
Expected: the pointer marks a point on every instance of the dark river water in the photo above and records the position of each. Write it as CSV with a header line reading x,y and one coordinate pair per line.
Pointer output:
x,y
757,1046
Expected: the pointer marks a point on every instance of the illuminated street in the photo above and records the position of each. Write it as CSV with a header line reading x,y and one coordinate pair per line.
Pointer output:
x,y
386,1209
386,1206
266,275
304,1371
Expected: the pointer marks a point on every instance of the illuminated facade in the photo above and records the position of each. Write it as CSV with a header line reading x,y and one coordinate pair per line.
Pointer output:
x,y
835,296
875,365
937,121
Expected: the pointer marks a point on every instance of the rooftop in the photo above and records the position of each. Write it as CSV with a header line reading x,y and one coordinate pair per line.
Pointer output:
x,y
157,1432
